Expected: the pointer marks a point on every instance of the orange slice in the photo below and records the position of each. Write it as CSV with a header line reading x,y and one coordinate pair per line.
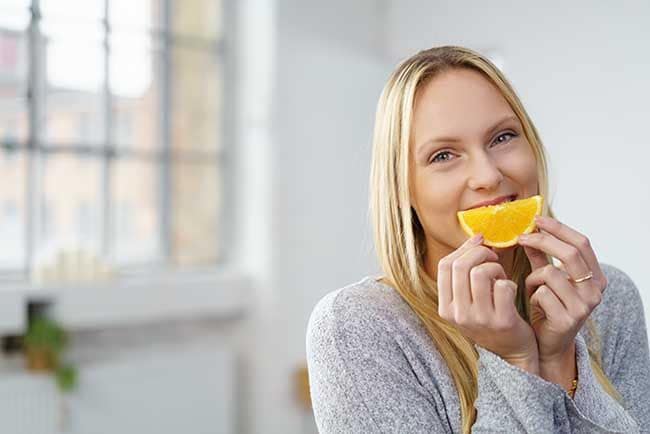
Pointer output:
x,y
502,224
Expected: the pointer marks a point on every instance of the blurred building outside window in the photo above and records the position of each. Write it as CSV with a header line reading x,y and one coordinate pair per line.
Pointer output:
x,y
111,132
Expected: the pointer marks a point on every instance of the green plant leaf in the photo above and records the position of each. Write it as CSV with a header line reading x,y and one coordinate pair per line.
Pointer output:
x,y
45,333
66,378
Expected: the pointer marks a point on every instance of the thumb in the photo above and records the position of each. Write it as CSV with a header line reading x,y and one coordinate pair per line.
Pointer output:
x,y
536,257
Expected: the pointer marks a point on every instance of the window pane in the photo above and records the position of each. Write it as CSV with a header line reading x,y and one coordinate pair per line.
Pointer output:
x,y
13,87
135,71
86,10
196,97
70,207
74,103
199,18
141,15
14,14
12,209
196,202
135,214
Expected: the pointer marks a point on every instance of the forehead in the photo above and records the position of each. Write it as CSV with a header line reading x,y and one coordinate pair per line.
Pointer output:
x,y
456,103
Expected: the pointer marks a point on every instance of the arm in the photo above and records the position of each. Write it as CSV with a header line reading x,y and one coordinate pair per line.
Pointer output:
x,y
626,362
360,380
513,400
565,303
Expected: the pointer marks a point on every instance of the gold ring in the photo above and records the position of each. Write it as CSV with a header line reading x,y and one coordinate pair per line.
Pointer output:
x,y
583,278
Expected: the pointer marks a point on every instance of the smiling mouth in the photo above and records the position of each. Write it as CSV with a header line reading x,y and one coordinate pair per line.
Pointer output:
x,y
497,202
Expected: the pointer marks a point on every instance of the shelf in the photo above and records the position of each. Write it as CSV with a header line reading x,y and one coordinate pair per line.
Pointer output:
x,y
129,300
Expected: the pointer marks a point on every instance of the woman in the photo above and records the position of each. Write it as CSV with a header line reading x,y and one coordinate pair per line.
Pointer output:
x,y
458,337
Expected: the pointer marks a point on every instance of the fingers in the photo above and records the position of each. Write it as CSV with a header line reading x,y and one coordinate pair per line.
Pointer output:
x,y
537,258
444,273
553,309
557,281
568,254
481,283
580,242
549,274
505,292
572,237
460,273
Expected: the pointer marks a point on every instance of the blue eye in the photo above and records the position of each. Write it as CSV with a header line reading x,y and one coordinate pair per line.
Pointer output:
x,y
505,134
509,135
435,158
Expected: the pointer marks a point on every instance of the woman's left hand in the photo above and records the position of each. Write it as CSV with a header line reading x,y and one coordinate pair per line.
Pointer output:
x,y
559,306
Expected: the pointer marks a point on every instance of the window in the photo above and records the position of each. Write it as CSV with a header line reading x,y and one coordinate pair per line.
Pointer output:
x,y
111,132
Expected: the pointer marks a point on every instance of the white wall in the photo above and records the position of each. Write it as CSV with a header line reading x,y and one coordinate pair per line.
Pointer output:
x,y
307,114
329,79
309,96
256,52
581,69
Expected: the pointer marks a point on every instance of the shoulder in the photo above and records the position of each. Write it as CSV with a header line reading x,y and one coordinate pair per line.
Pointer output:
x,y
365,317
372,366
367,297
620,313
617,277
366,303
620,293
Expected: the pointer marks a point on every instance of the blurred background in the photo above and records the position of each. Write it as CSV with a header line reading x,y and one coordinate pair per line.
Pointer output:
x,y
182,181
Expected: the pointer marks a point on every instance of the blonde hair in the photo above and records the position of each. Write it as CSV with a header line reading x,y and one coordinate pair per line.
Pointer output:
x,y
399,236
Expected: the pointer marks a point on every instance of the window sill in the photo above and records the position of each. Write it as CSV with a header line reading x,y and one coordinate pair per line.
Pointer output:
x,y
128,300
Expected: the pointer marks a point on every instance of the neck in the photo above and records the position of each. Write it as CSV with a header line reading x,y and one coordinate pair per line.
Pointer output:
x,y
506,259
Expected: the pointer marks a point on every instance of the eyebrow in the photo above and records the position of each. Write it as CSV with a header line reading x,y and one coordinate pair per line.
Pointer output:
x,y
488,133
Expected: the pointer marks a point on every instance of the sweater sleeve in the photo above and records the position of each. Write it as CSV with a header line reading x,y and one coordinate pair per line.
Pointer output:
x,y
593,410
627,367
360,381
536,405
515,401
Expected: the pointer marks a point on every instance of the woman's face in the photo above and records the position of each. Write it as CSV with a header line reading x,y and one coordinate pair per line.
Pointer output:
x,y
467,147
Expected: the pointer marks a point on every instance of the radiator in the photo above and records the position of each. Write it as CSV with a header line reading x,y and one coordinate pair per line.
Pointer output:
x,y
180,390
29,403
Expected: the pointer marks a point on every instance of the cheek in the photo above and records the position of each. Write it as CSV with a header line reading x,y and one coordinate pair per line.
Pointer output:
x,y
438,197
438,203
523,166
530,174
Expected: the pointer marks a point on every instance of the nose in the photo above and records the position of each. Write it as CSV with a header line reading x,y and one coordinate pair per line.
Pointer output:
x,y
485,175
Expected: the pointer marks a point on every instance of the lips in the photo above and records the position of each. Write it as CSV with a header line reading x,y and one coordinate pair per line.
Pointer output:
x,y
494,201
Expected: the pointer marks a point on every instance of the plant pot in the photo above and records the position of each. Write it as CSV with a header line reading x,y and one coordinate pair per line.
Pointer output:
x,y
301,378
40,359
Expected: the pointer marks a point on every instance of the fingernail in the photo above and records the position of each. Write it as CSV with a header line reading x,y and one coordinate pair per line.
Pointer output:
x,y
523,238
477,238
540,219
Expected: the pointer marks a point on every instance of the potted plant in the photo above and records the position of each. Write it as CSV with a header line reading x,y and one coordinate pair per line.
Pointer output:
x,y
44,344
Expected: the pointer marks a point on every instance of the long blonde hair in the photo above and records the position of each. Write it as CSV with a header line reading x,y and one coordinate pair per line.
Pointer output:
x,y
398,234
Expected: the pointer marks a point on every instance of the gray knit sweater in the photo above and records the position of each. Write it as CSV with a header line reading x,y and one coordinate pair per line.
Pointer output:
x,y
374,369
